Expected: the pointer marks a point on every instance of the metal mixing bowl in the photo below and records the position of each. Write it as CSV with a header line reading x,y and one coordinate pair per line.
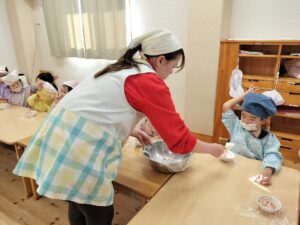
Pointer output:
x,y
163,160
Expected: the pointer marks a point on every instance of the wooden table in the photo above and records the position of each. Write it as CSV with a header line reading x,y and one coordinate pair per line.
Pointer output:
x,y
16,126
212,192
30,185
136,174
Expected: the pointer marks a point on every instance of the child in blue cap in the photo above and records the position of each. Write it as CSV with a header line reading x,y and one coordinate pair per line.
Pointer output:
x,y
248,135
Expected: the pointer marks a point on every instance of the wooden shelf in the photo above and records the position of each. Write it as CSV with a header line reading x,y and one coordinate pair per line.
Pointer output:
x,y
287,135
258,56
288,79
258,77
262,71
289,57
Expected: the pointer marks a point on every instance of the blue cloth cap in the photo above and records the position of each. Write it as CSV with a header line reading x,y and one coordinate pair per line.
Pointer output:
x,y
259,105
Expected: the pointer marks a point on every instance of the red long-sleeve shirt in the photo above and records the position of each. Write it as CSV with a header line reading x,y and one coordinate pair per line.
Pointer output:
x,y
148,93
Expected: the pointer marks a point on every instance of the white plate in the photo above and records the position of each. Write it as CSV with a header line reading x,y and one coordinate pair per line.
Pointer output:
x,y
268,203
227,156
4,106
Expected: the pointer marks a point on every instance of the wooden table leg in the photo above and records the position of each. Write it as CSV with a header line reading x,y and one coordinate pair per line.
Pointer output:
x,y
34,186
26,181
143,201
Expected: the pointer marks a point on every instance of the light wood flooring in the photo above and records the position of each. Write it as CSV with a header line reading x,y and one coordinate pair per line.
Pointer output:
x,y
15,209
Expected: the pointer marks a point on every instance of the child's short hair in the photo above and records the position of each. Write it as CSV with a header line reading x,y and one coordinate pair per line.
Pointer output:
x,y
70,84
48,77
259,105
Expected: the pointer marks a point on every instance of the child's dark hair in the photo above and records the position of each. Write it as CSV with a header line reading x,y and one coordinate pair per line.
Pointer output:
x,y
69,88
47,77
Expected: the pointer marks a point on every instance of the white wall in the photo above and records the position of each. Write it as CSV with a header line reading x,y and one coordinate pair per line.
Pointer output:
x,y
265,19
205,30
172,15
7,49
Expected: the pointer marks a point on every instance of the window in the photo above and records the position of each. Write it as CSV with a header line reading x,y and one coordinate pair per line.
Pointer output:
x,y
86,28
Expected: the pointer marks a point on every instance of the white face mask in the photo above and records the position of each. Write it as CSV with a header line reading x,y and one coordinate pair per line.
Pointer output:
x,y
18,89
249,127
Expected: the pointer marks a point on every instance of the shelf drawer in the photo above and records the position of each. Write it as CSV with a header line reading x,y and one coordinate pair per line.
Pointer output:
x,y
289,142
291,98
287,86
264,84
289,148
290,153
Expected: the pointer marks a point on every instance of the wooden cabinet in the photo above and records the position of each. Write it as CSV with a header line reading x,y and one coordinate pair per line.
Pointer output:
x,y
262,64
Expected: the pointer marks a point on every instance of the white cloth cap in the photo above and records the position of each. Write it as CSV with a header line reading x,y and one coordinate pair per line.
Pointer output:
x,y
49,87
275,96
3,71
71,83
235,83
10,78
157,42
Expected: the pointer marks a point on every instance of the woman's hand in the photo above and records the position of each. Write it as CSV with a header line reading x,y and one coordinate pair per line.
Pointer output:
x,y
142,136
216,149
265,177
211,148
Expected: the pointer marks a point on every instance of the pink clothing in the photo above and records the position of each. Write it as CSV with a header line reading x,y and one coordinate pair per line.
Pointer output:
x,y
4,91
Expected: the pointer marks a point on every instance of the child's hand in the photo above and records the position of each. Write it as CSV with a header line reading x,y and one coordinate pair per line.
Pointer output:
x,y
264,177
251,89
142,136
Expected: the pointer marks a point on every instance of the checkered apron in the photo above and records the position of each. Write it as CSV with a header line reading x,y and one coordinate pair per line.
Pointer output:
x,y
72,159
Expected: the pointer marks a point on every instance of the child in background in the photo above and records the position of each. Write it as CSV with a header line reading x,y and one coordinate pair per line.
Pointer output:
x,y
45,96
249,137
19,94
4,90
67,86
146,126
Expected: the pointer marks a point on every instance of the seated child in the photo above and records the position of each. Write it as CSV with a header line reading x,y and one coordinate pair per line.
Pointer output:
x,y
4,90
248,135
45,96
67,86
19,94
146,126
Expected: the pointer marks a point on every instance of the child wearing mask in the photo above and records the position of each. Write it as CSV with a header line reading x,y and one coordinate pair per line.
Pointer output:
x,y
45,96
249,137
66,87
19,94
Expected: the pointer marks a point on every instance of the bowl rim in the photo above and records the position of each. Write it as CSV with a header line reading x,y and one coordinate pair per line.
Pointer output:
x,y
275,201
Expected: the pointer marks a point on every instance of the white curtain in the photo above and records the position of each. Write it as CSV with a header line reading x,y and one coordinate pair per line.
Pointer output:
x,y
62,19
86,28
104,24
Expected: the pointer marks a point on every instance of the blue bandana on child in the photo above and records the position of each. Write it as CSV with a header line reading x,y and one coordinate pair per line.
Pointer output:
x,y
259,105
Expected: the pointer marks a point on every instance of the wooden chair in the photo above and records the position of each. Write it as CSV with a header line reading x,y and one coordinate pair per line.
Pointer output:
x,y
223,141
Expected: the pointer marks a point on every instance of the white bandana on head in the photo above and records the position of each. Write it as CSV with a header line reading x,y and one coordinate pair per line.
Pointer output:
x,y
157,42
10,78
71,83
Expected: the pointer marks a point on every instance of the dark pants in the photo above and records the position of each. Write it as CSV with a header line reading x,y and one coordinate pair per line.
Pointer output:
x,y
81,214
